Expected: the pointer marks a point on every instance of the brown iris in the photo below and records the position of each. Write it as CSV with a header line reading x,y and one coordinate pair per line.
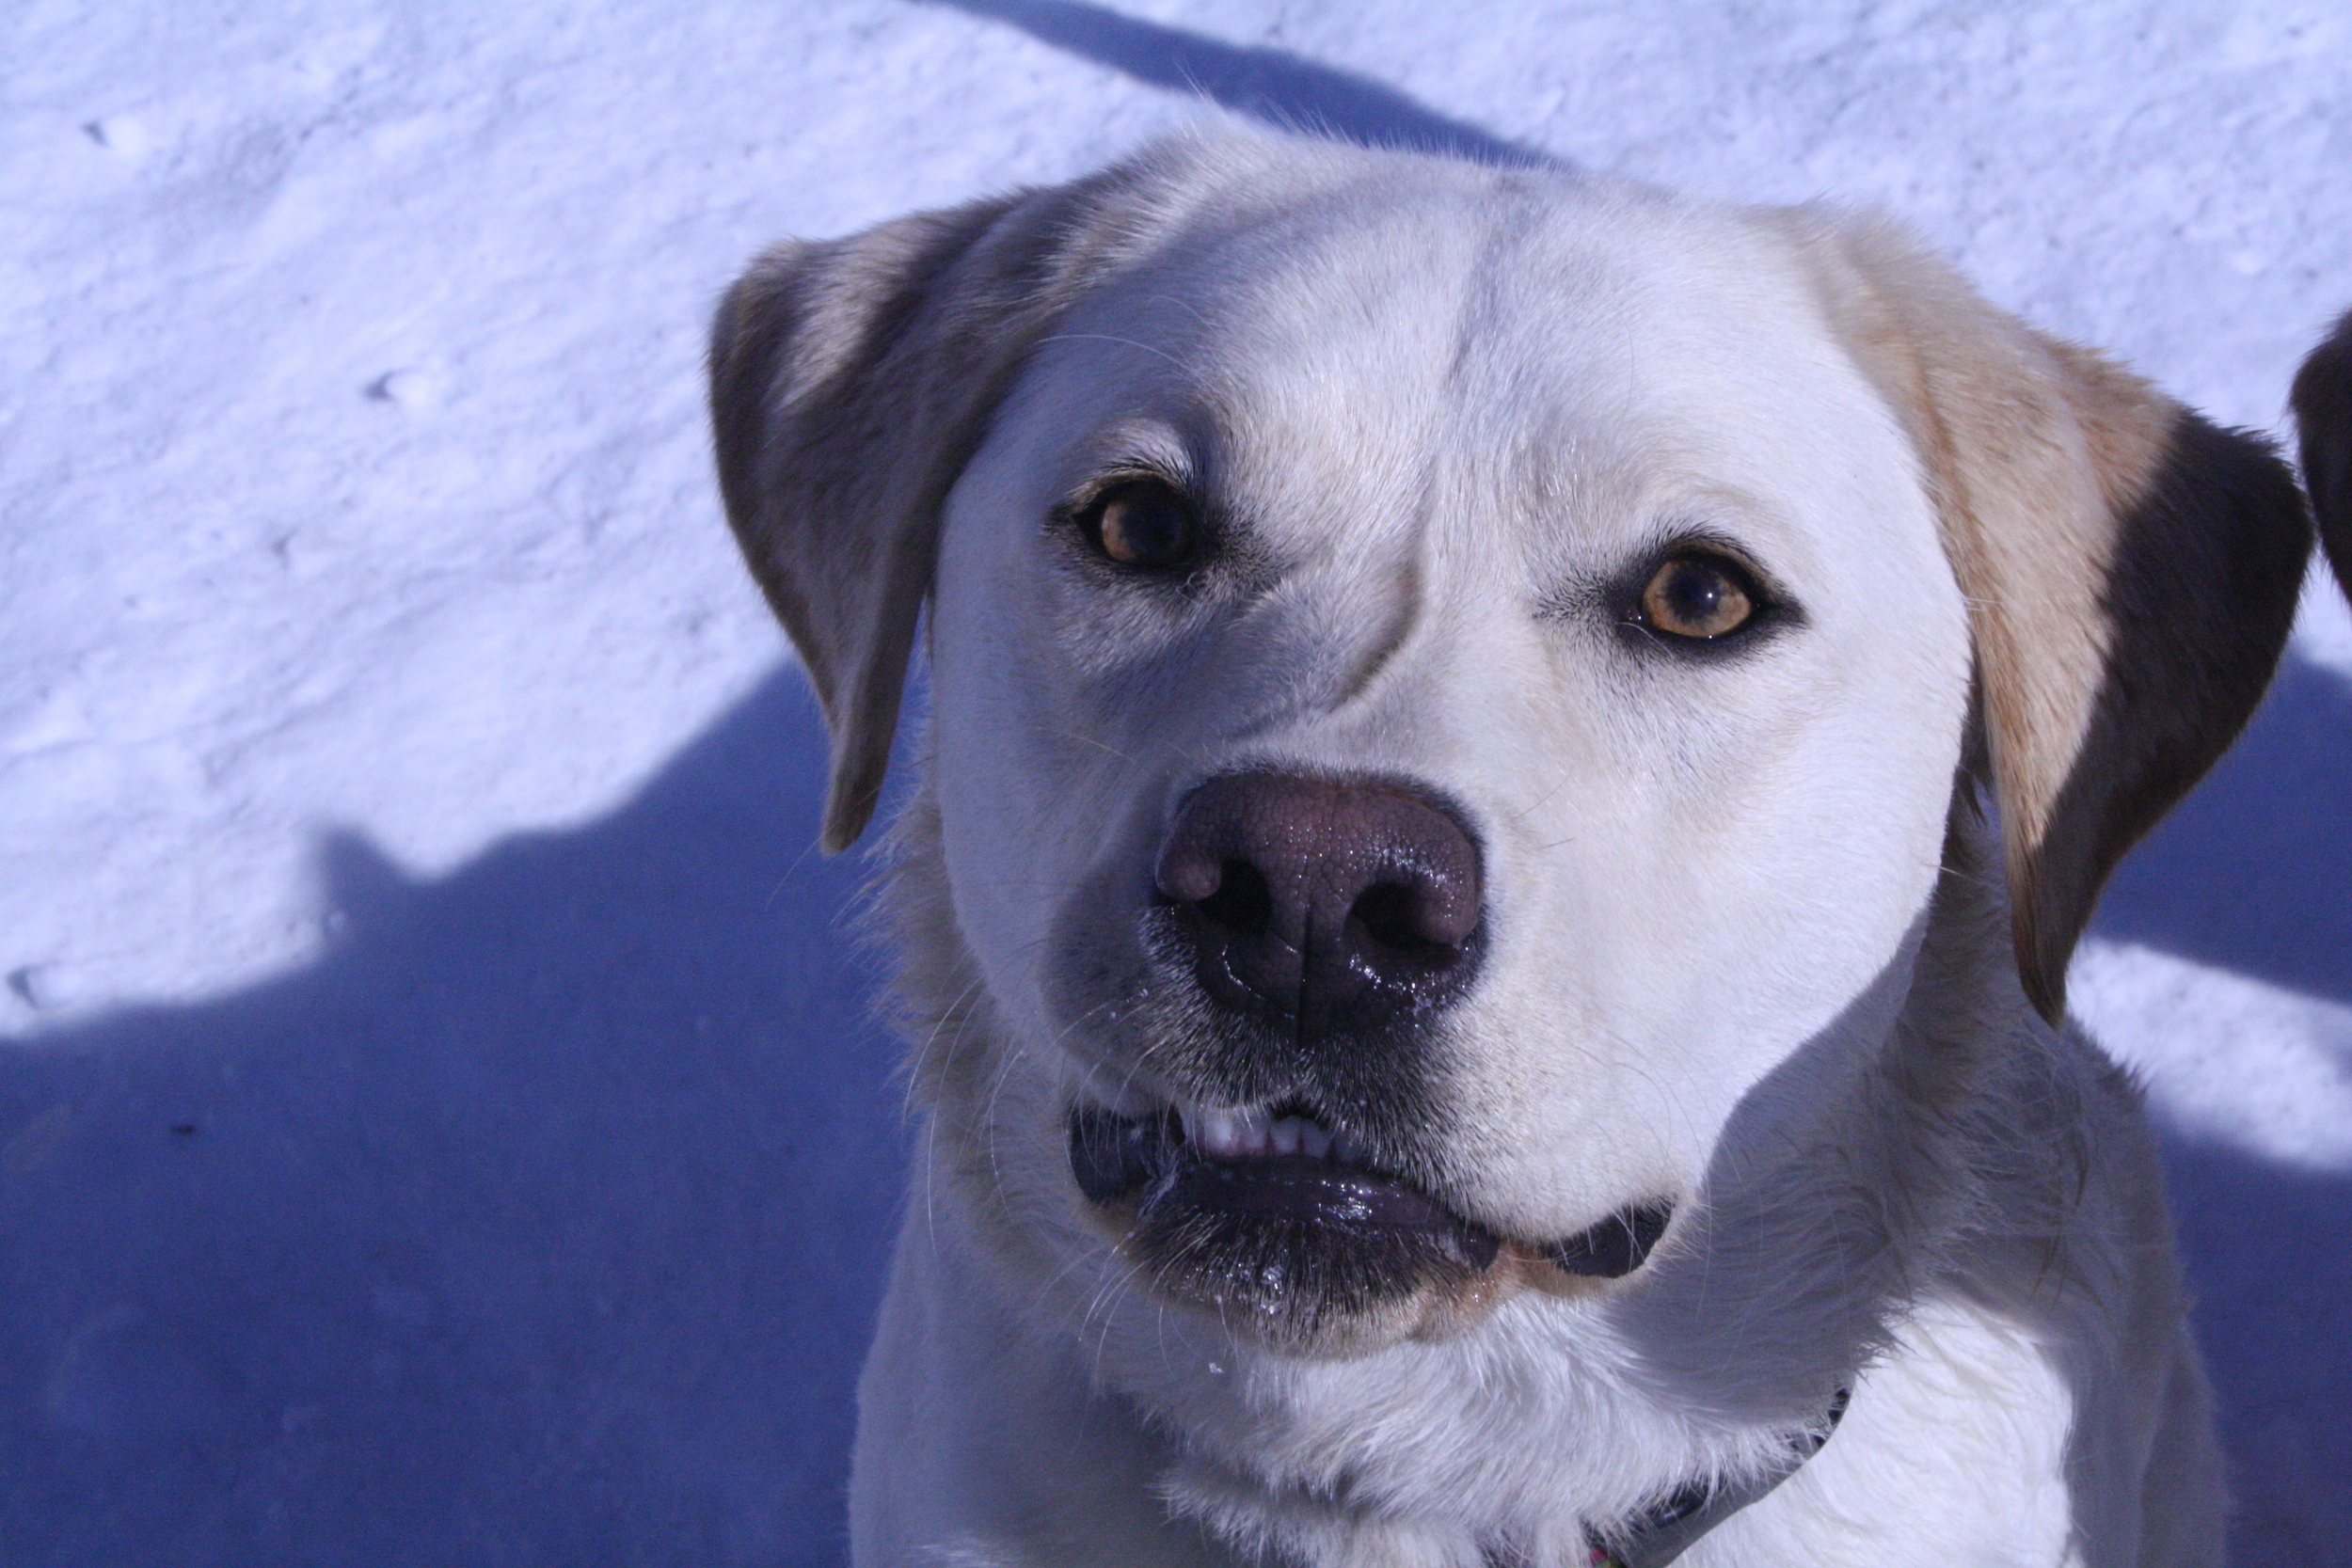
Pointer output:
x,y
1144,524
1698,596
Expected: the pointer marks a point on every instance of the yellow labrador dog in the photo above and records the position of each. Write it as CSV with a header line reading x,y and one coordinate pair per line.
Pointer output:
x,y
1514,766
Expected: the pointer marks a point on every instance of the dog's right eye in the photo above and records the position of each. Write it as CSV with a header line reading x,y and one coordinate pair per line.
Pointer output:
x,y
1142,523
1698,598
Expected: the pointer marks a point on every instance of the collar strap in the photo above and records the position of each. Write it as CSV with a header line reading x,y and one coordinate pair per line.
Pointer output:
x,y
1664,1532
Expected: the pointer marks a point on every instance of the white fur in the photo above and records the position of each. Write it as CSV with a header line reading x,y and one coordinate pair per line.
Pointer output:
x,y
1966,1395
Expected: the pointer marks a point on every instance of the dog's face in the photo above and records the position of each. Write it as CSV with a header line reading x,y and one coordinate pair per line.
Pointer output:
x,y
1444,678
1427,715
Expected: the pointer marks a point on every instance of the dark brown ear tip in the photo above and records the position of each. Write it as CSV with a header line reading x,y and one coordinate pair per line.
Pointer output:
x,y
2044,988
2046,992
845,822
851,798
2042,961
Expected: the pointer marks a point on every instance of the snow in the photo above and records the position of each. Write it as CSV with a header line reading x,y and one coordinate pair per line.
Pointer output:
x,y
439,1120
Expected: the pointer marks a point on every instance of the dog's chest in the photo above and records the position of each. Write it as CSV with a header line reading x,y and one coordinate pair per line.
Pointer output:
x,y
1952,1456
1965,1396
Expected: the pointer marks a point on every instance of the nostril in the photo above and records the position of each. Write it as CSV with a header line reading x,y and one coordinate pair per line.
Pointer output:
x,y
1391,914
1242,903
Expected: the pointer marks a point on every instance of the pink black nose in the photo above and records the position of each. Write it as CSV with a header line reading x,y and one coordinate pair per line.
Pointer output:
x,y
1324,905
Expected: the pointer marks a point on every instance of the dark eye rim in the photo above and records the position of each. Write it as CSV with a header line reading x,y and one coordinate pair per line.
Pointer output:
x,y
1773,611
1080,518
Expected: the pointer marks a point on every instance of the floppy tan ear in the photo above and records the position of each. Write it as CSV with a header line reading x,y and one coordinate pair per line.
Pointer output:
x,y
2130,569
2323,418
850,382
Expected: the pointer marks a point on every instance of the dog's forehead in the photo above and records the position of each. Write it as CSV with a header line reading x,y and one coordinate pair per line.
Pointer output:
x,y
1427,340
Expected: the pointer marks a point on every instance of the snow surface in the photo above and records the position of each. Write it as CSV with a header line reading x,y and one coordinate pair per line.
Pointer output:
x,y
441,1121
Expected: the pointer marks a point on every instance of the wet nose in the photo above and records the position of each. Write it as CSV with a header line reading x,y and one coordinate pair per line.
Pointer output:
x,y
1328,906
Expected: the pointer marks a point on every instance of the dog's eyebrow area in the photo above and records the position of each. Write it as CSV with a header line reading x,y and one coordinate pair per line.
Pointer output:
x,y
1124,450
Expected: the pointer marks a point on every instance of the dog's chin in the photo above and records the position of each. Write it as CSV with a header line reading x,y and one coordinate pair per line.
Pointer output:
x,y
1303,1250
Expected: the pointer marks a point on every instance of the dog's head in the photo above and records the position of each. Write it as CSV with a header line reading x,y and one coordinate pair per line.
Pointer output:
x,y
1445,678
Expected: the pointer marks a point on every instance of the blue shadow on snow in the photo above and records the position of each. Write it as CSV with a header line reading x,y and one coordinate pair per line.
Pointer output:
x,y
540,1220
1282,89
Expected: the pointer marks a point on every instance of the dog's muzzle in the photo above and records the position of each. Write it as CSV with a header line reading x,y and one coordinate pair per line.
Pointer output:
x,y
1325,922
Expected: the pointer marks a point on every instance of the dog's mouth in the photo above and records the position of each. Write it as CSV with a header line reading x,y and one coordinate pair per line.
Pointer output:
x,y
1279,1165
1274,1212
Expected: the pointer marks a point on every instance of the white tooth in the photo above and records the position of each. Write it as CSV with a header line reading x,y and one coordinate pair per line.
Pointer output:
x,y
1215,1133
1242,1136
1284,1135
1313,1141
1343,1149
1256,1132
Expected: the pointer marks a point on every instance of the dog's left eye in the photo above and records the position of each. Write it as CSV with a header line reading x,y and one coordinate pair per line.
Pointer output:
x,y
1698,596
1143,524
